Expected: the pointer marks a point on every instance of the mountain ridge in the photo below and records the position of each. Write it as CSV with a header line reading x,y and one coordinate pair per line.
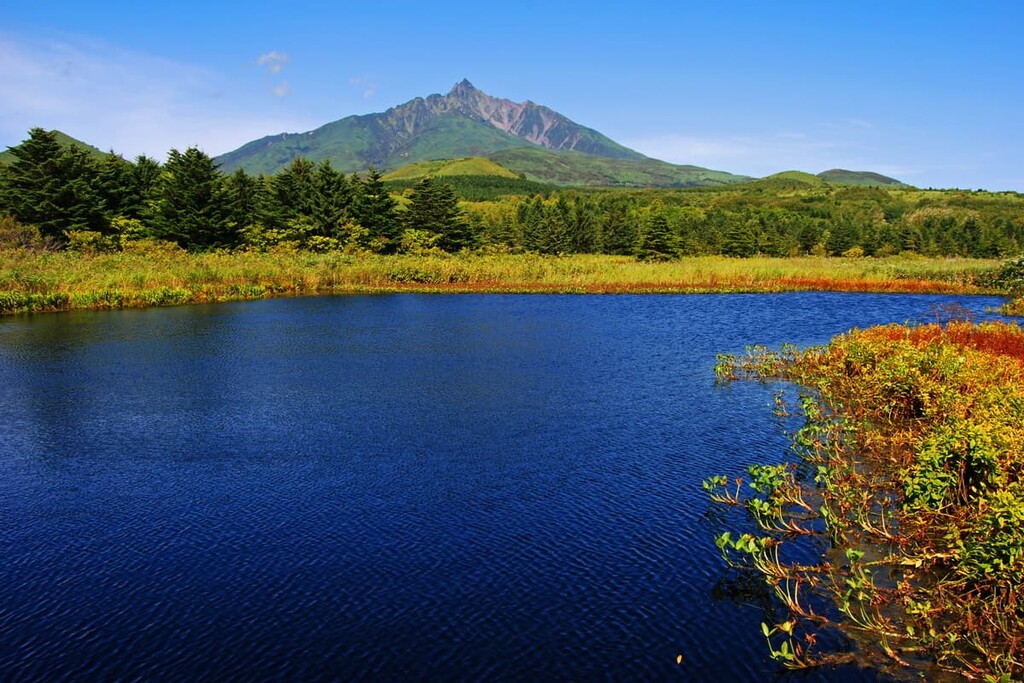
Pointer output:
x,y
467,122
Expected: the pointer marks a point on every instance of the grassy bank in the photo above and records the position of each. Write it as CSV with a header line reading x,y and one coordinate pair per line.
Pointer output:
x,y
911,472
42,281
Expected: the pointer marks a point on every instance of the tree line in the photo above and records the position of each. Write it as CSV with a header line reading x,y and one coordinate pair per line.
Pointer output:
x,y
71,198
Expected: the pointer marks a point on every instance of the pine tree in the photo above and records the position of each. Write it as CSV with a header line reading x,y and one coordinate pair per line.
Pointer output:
x,y
114,183
434,207
330,200
657,243
530,216
53,188
374,208
617,229
555,228
583,227
739,239
242,199
189,206
289,195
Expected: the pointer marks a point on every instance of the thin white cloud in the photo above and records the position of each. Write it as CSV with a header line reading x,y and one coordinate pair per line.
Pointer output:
x,y
368,87
852,144
747,154
273,60
131,102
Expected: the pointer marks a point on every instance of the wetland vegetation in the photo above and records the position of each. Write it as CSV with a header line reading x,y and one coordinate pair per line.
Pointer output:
x,y
907,478
905,501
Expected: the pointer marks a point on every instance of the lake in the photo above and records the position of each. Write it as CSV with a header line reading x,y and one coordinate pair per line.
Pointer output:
x,y
400,487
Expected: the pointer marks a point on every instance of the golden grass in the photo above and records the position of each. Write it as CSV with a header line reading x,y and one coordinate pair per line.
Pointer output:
x,y
59,281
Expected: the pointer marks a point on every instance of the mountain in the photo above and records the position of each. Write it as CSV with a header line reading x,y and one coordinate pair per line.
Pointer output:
x,y
65,140
576,168
841,176
471,166
795,177
525,137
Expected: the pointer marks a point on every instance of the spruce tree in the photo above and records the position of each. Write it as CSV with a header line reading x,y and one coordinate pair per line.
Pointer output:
x,y
434,207
189,205
555,228
530,216
54,188
617,228
330,199
657,243
242,199
374,208
289,195
583,227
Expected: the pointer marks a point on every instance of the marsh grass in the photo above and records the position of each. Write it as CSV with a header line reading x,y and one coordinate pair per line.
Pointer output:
x,y
43,281
912,452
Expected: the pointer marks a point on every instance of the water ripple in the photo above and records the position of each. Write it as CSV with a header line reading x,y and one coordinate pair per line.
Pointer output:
x,y
387,488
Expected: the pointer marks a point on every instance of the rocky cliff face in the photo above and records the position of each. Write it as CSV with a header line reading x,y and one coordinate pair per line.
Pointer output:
x,y
531,122
465,122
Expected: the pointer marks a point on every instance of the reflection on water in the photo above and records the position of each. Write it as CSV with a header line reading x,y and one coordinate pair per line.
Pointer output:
x,y
405,487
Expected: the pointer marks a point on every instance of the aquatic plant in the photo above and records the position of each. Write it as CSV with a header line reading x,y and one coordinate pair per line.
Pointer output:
x,y
910,462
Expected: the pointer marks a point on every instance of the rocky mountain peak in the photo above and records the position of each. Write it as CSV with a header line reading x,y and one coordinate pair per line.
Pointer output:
x,y
463,90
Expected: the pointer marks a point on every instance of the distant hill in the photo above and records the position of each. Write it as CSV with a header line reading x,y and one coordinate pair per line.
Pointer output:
x,y
524,137
573,168
473,178
472,166
65,140
799,179
796,176
841,176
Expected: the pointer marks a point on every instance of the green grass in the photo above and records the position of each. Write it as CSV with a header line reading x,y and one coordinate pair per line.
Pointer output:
x,y
32,281
840,176
576,169
470,166
798,176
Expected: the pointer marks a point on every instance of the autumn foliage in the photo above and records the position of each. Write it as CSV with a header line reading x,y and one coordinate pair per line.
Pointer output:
x,y
915,435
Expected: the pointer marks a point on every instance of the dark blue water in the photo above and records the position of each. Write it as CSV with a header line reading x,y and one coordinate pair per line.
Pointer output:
x,y
391,488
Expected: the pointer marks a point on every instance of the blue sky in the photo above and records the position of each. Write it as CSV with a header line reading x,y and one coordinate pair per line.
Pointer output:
x,y
929,92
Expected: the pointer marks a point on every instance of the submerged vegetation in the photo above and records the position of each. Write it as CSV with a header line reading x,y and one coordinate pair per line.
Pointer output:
x,y
900,524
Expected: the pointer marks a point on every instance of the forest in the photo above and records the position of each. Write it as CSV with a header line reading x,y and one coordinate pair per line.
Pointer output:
x,y
63,197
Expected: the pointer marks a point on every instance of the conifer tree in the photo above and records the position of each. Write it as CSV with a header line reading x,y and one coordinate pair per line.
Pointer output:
x,y
583,227
656,240
242,199
289,195
374,208
330,199
434,207
531,219
53,188
617,228
555,231
189,203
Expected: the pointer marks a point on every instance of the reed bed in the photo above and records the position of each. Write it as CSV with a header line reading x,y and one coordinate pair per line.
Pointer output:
x,y
41,281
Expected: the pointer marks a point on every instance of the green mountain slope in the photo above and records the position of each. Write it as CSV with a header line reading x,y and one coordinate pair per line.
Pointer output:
x,y
841,176
525,137
796,176
471,166
465,122
575,168
65,140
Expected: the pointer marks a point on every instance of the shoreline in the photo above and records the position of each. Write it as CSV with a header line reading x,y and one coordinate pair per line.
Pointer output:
x,y
52,282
